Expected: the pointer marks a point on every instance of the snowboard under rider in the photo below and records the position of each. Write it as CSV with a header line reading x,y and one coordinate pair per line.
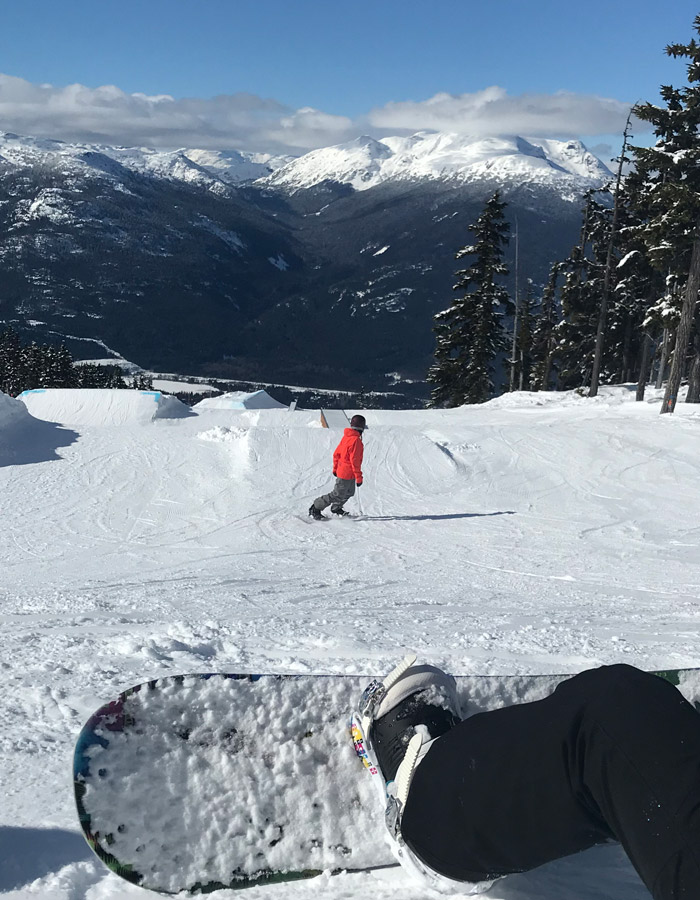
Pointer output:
x,y
613,754
347,469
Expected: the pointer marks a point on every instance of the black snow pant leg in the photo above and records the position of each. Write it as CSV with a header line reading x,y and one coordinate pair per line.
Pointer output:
x,y
612,754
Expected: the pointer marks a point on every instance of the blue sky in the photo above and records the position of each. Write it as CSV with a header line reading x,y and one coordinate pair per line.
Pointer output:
x,y
350,64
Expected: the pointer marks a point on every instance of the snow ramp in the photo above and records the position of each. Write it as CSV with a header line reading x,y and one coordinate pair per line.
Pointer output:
x,y
101,406
240,400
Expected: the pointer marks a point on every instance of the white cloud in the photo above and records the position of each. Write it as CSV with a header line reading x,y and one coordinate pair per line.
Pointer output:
x,y
308,128
493,111
109,115
248,122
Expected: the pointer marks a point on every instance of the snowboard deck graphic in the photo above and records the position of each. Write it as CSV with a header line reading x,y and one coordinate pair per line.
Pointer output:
x,y
208,781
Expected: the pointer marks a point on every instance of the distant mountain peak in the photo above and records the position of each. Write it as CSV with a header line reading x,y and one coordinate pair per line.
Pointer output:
x,y
365,162
211,169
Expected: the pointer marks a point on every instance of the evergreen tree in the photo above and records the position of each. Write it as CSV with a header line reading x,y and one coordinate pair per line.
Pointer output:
x,y
142,382
30,367
469,334
11,371
93,376
584,277
667,180
543,334
634,285
610,259
524,339
61,368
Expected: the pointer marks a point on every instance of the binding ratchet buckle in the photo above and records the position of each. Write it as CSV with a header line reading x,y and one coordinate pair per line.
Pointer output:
x,y
376,690
371,697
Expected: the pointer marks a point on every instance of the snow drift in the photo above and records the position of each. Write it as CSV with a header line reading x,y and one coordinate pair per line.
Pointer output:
x,y
95,406
12,413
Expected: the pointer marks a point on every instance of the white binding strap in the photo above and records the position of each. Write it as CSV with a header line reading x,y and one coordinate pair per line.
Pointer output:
x,y
404,774
397,672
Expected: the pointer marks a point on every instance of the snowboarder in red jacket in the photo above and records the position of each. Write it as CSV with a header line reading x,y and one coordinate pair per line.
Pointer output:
x,y
347,469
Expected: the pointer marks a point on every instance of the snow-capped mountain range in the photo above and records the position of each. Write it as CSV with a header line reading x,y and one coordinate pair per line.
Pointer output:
x,y
363,163
204,167
324,269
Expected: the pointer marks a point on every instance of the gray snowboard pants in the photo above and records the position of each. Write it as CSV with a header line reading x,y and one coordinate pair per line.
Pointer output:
x,y
341,493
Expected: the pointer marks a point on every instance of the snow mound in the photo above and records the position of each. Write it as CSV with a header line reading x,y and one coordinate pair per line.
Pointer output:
x,y
12,413
240,400
608,395
96,406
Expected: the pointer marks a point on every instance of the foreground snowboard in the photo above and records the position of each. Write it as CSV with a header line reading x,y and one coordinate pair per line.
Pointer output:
x,y
200,782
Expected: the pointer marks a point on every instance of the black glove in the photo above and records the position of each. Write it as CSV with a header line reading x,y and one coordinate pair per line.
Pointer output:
x,y
335,474
358,483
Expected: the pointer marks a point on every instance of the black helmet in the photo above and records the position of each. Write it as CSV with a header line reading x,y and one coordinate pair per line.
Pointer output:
x,y
358,422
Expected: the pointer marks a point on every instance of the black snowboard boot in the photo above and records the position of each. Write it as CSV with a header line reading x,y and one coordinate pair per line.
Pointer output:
x,y
421,702
339,511
316,513
397,722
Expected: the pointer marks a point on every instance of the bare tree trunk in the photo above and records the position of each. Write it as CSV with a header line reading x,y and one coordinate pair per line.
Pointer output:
x,y
694,380
516,315
547,371
661,373
627,352
603,311
644,367
684,327
694,375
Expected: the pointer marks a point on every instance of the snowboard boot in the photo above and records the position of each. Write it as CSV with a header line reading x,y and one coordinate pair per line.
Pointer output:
x,y
316,513
339,511
398,721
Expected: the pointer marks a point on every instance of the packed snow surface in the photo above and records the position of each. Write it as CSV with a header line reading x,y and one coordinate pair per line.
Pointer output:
x,y
536,533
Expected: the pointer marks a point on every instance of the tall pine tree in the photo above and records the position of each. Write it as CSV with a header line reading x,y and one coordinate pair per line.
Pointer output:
x,y
469,334
668,185
584,275
543,335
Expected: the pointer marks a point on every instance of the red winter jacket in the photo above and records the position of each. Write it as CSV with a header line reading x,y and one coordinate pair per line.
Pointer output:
x,y
347,457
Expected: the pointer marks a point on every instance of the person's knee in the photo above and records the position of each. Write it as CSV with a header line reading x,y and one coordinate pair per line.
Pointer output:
x,y
609,681
624,685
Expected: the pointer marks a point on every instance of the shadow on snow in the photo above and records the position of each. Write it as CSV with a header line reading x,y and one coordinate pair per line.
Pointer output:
x,y
505,512
34,442
31,853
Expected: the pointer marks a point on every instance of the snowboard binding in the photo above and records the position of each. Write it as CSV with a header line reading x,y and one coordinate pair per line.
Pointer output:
x,y
390,746
361,728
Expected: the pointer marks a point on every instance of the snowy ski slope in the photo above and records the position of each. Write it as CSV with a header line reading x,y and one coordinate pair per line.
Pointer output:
x,y
536,533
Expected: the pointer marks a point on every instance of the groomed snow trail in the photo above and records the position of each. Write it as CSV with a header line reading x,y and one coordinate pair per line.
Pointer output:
x,y
531,534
